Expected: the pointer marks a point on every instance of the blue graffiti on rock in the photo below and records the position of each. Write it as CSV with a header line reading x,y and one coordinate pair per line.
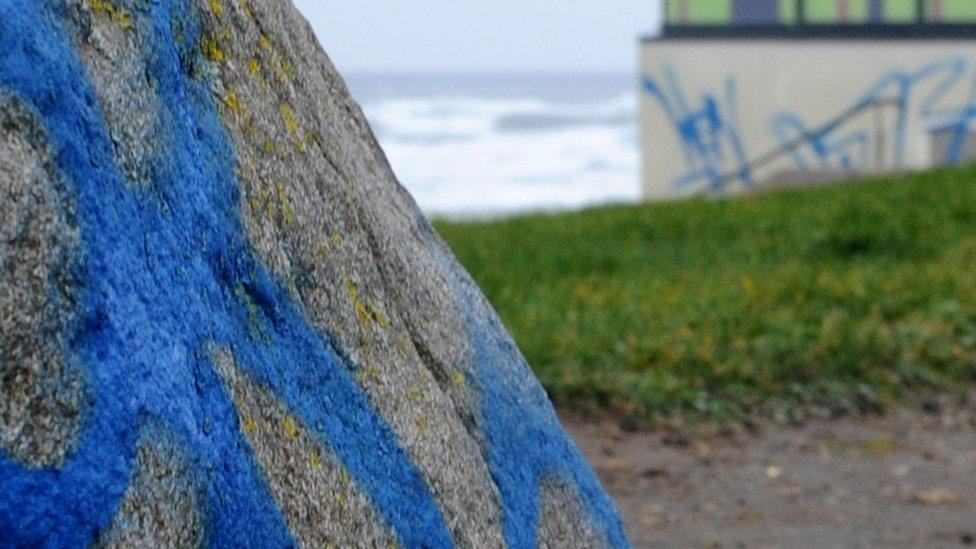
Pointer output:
x,y
169,274
165,272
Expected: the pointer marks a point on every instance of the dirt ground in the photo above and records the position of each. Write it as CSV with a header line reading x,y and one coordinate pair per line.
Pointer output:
x,y
904,480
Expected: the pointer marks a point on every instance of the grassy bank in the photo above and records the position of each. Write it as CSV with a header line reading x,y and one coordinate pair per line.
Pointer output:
x,y
829,300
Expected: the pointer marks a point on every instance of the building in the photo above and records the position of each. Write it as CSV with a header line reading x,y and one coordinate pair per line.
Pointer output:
x,y
791,12
740,94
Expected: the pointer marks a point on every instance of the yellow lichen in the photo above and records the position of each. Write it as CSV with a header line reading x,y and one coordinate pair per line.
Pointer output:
x,y
270,147
369,373
315,460
285,205
290,427
254,65
123,18
211,49
361,311
459,378
232,102
367,312
378,316
120,16
337,239
416,394
265,42
289,116
102,6
287,67
249,424
216,7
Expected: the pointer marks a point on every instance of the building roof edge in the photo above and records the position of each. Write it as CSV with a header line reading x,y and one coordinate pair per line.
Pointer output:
x,y
867,32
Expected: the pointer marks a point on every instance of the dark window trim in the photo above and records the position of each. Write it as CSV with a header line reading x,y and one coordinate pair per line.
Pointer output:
x,y
888,31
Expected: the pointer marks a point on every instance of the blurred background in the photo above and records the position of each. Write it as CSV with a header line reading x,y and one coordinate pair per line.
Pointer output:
x,y
736,240
493,108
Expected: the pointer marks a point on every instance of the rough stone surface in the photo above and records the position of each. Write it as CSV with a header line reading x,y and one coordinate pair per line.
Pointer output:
x,y
302,157
254,284
112,43
563,521
322,505
161,507
40,395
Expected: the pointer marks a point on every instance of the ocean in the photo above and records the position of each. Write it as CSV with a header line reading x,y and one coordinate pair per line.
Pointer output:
x,y
494,145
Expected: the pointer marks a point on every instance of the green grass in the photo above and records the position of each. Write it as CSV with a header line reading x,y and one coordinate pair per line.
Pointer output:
x,y
829,300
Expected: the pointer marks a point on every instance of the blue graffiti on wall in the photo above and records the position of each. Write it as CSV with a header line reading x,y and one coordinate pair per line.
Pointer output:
x,y
165,272
911,97
708,130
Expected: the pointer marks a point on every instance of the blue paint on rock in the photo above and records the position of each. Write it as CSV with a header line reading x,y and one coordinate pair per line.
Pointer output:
x,y
165,273
168,274
526,445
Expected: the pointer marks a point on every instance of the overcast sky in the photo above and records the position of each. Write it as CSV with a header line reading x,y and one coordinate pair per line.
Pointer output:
x,y
481,35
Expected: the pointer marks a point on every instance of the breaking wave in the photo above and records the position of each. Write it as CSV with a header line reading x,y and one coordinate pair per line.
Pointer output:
x,y
465,154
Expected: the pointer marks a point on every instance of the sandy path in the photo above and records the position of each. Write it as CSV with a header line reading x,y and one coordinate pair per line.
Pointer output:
x,y
906,480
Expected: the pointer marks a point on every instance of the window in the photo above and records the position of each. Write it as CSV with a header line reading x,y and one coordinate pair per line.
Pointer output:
x,y
700,12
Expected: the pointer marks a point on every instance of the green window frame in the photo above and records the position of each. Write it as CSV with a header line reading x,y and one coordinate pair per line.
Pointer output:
x,y
901,11
671,11
958,11
828,11
719,12
788,12
700,12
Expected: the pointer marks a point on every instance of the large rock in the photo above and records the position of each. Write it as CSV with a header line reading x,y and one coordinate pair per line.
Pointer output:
x,y
223,322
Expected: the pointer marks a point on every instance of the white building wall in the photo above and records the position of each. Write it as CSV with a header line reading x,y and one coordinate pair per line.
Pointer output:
x,y
710,109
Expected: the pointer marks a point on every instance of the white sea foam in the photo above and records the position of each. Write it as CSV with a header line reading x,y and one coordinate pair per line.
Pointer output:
x,y
468,155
